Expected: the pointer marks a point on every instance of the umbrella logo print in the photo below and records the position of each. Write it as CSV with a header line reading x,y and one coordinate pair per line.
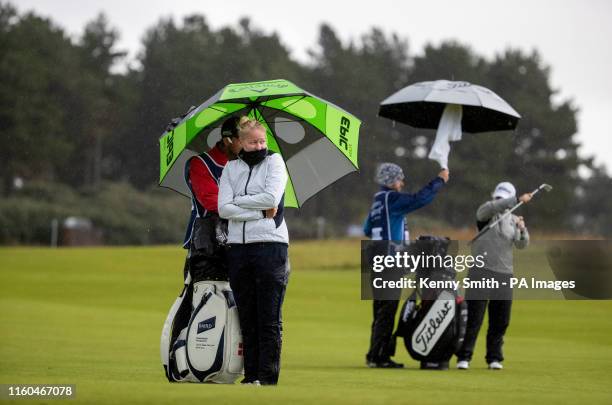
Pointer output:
x,y
458,84
256,87
345,124
169,148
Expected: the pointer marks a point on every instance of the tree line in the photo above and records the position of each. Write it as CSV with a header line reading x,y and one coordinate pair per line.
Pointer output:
x,y
77,112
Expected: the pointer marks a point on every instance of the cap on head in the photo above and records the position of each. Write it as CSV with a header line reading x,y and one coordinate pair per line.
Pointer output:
x,y
388,173
504,190
230,127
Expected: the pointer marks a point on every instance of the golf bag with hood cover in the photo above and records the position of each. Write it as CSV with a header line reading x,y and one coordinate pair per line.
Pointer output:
x,y
433,321
201,339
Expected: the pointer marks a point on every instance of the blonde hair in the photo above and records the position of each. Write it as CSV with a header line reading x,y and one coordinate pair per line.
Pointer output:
x,y
246,125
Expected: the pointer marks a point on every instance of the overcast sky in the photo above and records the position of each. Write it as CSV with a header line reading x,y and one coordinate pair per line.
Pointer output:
x,y
572,36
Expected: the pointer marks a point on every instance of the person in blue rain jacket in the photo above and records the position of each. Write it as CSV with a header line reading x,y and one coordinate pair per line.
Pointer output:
x,y
386,222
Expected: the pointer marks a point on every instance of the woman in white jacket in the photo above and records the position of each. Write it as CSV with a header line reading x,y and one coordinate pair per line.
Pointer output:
x,y
251,193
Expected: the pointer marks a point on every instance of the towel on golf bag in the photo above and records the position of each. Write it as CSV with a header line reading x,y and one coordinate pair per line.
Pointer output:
x,y
433,329
201,339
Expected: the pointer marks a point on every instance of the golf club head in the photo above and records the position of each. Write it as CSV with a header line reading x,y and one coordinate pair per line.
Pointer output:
x,y
546,187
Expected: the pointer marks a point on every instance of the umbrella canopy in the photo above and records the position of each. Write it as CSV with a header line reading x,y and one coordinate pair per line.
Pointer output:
x,y
421,105
317,140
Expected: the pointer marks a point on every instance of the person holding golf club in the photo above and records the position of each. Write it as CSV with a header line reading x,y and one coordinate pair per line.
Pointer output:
x,y
386,222
251,194
495,244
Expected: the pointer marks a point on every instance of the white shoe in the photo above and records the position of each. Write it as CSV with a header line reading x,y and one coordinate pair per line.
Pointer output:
x,y
463,365
495,365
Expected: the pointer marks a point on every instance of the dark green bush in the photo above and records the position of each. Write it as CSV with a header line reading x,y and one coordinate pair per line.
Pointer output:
x,y
123,214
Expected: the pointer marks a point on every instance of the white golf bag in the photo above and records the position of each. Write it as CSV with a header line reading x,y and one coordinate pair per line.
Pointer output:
x,y
201,339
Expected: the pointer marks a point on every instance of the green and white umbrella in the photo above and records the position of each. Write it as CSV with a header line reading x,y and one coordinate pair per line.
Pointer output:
x,y
317,140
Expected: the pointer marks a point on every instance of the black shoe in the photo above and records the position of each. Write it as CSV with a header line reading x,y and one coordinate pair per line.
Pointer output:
x,y
384,364
250,382
263,382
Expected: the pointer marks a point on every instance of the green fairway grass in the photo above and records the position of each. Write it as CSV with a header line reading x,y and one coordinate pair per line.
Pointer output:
x,y
93,317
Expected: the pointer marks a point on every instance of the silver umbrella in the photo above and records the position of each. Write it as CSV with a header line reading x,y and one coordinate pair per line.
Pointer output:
x,y
421,105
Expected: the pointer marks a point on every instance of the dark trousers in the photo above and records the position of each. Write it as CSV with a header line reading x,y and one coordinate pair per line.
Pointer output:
x,y
499,303
258,276
381,346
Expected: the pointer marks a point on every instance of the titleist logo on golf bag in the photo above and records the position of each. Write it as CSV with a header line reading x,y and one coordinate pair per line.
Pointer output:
x,y
434,323
434,329
207,324
432,326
